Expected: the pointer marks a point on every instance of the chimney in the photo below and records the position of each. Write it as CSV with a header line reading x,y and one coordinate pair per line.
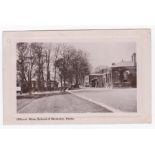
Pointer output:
x,y
133,57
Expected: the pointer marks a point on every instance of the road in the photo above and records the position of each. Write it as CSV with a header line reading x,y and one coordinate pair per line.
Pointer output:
x,y
63,103
82,101
123,100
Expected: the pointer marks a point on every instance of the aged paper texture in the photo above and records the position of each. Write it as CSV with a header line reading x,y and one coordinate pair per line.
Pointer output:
x,y
77,76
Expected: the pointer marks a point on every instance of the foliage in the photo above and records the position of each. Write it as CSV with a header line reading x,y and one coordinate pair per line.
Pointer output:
x,y
38,61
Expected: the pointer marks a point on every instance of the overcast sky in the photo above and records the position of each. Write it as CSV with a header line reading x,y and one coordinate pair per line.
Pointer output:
x,y
108,52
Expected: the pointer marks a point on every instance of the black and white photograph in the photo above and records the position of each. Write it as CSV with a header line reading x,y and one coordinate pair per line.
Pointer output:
x,y
77,76
63,77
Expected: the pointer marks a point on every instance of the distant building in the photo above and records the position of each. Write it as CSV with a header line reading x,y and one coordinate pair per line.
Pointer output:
x,y
124,73
121,74
96,80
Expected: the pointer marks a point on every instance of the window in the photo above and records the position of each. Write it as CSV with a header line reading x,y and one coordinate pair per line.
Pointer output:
x,y
126,76
116,76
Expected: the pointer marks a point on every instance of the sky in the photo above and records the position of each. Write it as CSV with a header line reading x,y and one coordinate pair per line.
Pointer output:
x,y
105,53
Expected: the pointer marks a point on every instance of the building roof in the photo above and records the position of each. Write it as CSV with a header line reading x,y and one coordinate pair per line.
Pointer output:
x,y
123,64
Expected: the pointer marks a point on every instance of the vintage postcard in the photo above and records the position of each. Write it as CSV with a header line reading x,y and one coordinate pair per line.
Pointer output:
x,y
77,76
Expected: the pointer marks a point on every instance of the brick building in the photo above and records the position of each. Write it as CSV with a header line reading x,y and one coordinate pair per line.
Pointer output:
x,y
121,74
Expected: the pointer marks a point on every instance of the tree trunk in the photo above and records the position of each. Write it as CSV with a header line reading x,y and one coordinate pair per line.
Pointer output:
x,y
77,81
64,84
61,82
54,76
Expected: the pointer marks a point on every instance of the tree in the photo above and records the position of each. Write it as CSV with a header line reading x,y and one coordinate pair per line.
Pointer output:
x,y
64,63
21,65
31,60
73,65
46,51
56,56
81,66
26,63
40,60
48,60
34,60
